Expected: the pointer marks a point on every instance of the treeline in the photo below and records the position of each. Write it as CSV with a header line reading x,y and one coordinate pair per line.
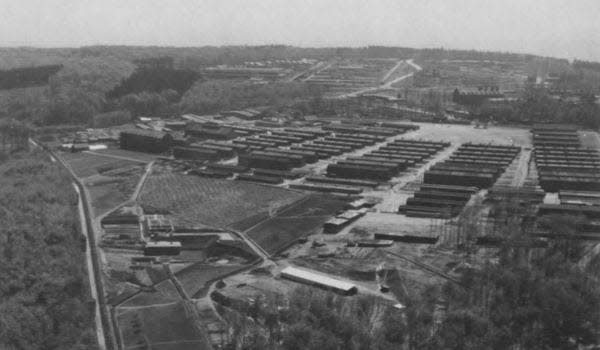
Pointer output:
x,y
78,91
162,103
527,300
595,66
14,136
99,79
318,320
200,57
196,58
27,76
155,79
155,62
108,119
44,294
580,78
537,105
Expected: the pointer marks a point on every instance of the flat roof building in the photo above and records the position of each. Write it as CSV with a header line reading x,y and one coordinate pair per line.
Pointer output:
x,y
319,280
162,248
157,223
150,141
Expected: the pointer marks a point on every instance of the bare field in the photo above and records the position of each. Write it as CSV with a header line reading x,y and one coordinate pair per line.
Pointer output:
x,y
466,133
393,222
213,202
589,139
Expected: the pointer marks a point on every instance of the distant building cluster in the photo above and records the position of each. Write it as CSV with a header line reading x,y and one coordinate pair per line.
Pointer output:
x,y
476,97
227,72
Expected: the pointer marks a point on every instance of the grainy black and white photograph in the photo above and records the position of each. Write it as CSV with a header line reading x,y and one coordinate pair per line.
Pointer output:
x,y
300,175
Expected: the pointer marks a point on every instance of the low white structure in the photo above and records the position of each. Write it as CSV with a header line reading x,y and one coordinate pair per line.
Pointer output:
x,y
399,306
319,280
97,147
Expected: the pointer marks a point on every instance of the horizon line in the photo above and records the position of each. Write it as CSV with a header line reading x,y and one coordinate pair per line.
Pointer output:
x,y
362,46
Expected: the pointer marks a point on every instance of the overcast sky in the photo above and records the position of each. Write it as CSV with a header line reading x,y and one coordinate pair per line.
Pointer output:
x,y
560,28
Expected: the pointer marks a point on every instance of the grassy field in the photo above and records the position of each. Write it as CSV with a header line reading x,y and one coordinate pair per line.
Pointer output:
x,y
299,220
117,152
159,326
87,164
214,202
107,192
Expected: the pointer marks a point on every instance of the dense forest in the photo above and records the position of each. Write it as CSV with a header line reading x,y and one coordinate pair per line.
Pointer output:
x,y
100,79
105,120
26,77
537,105
578,64
45,300
155,79
319,320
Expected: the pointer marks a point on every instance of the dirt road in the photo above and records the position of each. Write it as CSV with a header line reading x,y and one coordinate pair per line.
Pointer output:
x,y
387,85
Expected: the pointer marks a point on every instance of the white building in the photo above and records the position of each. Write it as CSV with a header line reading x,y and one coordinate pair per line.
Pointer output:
x,y
319,280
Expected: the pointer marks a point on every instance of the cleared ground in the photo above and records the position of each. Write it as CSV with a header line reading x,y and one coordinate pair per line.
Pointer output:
x,y
194,279
497,135
299,220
